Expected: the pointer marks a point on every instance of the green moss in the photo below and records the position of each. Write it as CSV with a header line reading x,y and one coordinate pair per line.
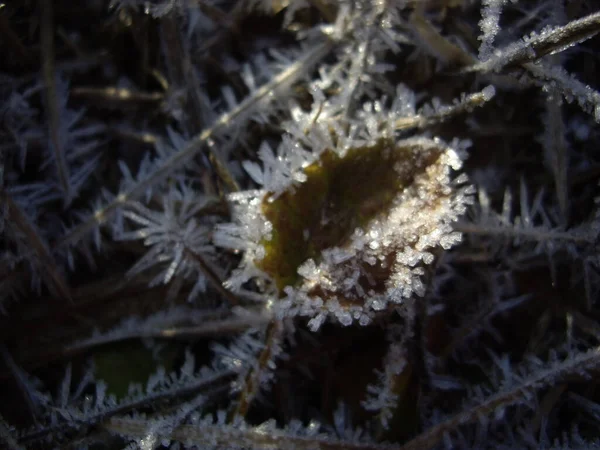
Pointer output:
x,y
339,195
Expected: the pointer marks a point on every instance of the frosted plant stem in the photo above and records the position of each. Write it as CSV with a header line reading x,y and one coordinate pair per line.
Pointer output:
x,y
519,393
252,382
464,106
209,383
547,42
489,24
569,86
266,93
232,437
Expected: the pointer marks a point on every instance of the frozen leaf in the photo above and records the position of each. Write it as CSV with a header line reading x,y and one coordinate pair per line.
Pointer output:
x,y
353,234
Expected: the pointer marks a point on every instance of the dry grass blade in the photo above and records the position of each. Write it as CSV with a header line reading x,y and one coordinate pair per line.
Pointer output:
x,y
211,327
117,96
53,112
556,148
43,259
437,44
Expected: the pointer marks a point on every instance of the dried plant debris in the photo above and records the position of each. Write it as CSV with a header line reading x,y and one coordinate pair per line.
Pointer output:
x,y
299,224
